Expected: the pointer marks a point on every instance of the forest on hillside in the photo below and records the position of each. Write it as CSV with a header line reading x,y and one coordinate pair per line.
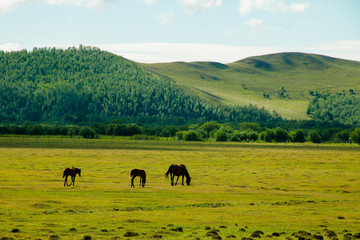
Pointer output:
x,y
87,85
342,107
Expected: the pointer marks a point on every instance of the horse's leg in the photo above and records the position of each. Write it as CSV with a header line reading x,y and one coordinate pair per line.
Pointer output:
x,y
177,179
140,181
73,181
65,181
172,179
182,180
132,181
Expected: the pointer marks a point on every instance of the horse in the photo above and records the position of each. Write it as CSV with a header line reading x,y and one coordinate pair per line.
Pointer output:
x,y
71,172
178,170
140,173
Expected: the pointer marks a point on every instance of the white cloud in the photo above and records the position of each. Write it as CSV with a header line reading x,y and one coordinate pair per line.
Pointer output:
x,y
8,5
254,23
8,47
149,2
172,52
97,4
187,52
246,6
165,18
192,6
299,7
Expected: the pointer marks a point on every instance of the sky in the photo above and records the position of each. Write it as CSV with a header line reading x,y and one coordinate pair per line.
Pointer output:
x,y
150,31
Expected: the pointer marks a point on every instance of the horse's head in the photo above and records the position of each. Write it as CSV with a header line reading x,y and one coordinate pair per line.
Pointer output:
x,y
78,171
188,179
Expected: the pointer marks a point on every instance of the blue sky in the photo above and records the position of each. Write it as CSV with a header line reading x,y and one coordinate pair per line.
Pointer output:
x,y
185,30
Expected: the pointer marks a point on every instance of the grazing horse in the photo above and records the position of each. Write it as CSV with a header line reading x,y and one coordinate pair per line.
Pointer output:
x,y
72,173
178,170
140,173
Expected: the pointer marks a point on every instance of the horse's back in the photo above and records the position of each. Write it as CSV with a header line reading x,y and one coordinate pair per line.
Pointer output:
x,y
72,171
137,172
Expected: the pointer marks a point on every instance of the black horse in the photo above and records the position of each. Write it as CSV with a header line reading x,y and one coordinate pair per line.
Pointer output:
x,y
140,173
72,173
178,170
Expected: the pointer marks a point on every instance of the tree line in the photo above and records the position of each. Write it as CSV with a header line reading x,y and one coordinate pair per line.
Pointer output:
x,y
85,85
206,131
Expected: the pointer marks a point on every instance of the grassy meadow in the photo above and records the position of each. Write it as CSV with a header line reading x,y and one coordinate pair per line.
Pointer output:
x,y
236,189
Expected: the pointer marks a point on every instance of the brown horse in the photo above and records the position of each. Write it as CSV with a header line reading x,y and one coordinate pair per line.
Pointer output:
x,y
72,173
138,173
178,170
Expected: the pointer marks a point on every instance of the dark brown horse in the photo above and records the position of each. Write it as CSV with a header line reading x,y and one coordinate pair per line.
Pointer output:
x,y
178,170
138,173
72,173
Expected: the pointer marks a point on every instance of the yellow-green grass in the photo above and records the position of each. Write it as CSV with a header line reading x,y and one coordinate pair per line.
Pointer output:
x,y
279,188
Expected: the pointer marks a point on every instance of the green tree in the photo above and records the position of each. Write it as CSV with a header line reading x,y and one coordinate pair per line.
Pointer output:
x,y
87,132
343,136
355,135
314,136
191,135
71,132
252,136
281,135
267,135
35,130
298,136
210,127
220,136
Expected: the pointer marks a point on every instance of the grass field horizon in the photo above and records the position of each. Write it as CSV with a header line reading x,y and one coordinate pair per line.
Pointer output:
x,y
246,81
236,188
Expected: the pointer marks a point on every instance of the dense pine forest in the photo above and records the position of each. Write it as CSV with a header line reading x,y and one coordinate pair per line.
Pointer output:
x,y
86,85
341,107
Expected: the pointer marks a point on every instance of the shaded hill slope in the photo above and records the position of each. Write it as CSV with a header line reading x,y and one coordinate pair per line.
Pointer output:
x,y
284,82
85,84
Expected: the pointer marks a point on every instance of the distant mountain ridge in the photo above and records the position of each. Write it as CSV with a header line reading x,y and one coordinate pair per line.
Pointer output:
x,y
283,82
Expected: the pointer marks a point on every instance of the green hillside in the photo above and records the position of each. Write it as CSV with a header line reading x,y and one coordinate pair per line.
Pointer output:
x,y
85,85
283,82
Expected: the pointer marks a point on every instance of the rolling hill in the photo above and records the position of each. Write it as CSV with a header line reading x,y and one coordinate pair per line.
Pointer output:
x,y
86,85
284,82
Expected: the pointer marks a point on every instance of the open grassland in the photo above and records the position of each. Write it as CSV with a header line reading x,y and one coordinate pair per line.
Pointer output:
x,y
236,189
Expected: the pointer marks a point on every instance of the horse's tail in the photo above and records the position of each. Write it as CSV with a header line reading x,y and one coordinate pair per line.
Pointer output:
x,y
64,173
168,171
